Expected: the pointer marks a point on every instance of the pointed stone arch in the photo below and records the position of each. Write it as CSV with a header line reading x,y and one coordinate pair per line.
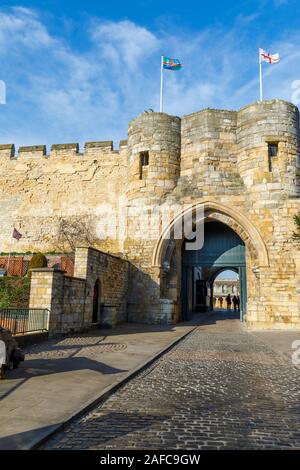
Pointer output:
x,y
214,210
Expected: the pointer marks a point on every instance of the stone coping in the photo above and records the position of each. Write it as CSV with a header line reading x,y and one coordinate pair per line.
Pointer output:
x,y
102,252
7,146
74,146
33,148
258,103
47,270
101,143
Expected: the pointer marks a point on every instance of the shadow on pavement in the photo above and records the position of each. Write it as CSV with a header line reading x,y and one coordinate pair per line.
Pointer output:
x,y
20,440
108,427
39,367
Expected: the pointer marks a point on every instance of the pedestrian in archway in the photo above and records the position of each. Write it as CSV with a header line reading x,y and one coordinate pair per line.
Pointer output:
x,y
228,301
238,302
235,302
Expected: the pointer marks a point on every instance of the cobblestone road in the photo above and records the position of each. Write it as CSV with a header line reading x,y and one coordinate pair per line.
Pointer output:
x,y
220,388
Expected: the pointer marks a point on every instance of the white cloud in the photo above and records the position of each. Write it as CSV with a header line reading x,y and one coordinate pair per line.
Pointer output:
x,y
22,27
57,93
124,43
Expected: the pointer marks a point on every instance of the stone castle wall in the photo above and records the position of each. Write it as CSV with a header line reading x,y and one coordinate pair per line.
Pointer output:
x,y
217,158
38,190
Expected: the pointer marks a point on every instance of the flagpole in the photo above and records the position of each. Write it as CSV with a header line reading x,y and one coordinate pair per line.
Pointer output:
x,y
260,76
161,84
9,255
8,260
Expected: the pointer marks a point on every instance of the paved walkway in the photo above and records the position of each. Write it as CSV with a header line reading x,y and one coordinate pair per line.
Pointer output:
x,y
220,388
60,377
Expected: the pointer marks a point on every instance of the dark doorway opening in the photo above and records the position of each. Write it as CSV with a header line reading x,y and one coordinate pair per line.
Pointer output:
x,y
96,301
223,250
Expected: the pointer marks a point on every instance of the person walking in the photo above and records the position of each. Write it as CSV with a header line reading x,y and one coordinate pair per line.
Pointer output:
x,y
235,302
228,301
238,302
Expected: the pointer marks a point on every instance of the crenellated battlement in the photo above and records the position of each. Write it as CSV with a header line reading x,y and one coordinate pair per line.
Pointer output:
x,y
97,148
7,150
210,143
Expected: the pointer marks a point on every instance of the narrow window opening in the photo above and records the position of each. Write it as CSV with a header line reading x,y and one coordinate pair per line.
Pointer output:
x,y
144,161
272,152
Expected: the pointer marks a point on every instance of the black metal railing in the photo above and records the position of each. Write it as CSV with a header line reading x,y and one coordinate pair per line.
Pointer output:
x,y
24,320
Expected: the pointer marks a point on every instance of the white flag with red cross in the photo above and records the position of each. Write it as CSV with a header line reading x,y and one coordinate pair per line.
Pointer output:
x,y
267,57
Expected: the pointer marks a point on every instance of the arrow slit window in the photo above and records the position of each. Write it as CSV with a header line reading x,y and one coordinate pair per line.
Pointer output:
x,y
144,162
272,152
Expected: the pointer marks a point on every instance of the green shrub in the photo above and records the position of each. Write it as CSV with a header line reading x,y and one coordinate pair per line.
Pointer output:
x,y
14,292
37,261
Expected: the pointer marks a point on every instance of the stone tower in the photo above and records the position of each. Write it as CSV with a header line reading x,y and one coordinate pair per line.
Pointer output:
x,y
268,145
153,155
153,169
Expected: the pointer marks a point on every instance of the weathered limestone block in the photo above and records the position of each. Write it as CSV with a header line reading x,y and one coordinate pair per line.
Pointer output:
x,y
109,317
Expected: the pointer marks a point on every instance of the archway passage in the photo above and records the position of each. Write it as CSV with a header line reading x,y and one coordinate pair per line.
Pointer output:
x,y
223,249
96,301
225,291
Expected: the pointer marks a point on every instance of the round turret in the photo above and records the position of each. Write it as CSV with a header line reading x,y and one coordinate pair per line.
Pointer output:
x,y
153,155
268,144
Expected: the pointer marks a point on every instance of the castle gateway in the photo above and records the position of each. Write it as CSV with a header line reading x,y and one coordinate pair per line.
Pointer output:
x,y
235,173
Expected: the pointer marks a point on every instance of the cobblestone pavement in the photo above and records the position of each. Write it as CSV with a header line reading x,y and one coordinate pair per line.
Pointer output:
x,y
220,388
81,345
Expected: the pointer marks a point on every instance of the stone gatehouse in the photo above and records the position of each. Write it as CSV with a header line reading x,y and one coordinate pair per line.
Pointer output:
x,y
241,168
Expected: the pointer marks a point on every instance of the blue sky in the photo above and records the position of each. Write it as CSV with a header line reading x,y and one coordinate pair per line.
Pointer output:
x,y
79,71
228,274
